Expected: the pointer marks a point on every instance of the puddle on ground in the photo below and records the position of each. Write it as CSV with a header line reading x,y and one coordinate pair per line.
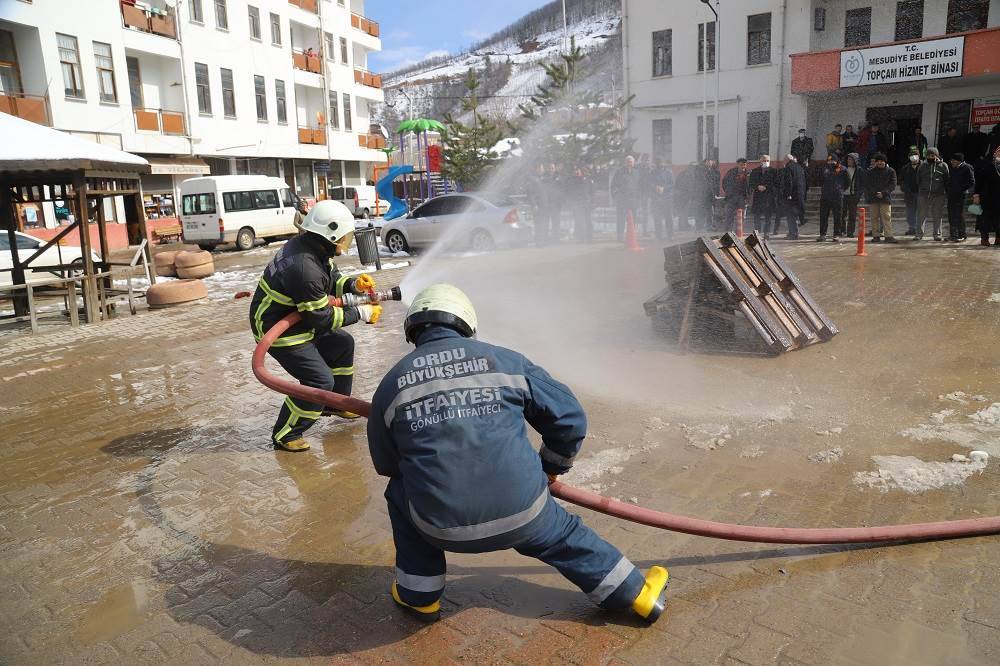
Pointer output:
x,y
122,608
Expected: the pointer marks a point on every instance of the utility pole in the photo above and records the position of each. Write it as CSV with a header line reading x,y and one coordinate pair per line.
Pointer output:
x,y
718,63
565,36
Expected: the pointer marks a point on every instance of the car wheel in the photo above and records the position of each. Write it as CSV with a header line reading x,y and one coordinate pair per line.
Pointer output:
x,y
481,241
245,238
396,242
207,247
366,214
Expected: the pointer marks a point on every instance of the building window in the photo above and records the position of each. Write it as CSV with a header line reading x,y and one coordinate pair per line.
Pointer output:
x,y
706,137
759,39
347,112
758,133
966,15
194,8
275,29
260,93
340,2
663,141
702,46
662,56
221,15
254,15
204,91
105,72
228,93
858,27
909,19
134,81
69,59
10,74
334,110
343,51
331,47
279,98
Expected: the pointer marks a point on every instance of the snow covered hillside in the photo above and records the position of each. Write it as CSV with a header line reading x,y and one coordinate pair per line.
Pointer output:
x,y
507,64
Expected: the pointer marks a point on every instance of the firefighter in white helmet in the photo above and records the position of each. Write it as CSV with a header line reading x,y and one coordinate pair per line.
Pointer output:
x,y
447,426
316,351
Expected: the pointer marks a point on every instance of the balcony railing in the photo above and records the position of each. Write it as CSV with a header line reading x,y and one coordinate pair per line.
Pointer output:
x,y
148,20
366,78
160,120
364,24
307,62
312,135
373,141
308,5
29,107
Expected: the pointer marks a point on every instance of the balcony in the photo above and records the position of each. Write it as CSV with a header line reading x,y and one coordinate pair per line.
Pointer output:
x,y
312,135
308,5
152,20
28,107
366,78
307,61
161,121
373,141
365,25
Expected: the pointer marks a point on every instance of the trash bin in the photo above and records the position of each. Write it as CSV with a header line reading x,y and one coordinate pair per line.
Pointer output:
x,y
367,240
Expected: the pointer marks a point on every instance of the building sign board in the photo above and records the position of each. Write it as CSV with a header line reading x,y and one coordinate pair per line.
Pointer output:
x,y
986,111
896,63
321,166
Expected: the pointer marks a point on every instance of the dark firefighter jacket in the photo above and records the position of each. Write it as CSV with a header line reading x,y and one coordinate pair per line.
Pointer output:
x,y
298,279
449,420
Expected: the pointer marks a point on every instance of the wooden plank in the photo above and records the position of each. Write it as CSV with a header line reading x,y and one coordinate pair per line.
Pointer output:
x,y
89,282
71,304
32,315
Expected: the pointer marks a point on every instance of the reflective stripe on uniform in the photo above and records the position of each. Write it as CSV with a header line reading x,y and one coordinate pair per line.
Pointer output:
x,y
342,372
309,306
265,303
338,319
287,428
298,411
612,581
276,296
341,283
482,530
556,459
273,296
485,380
416,583
292,340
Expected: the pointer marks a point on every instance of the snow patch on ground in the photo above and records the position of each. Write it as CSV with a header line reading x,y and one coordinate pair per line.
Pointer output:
x,y
707,436
829,456
979,430
370,269
912,475
586,472
994,298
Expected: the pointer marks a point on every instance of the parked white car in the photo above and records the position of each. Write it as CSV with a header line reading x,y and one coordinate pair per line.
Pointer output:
x,y
360,200
479,221
236,209
27,246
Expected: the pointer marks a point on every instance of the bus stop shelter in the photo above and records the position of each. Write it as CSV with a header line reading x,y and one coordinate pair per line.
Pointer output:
x,y
39,164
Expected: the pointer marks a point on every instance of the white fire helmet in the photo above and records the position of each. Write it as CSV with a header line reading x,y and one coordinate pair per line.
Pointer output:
x,y
333,221
441,304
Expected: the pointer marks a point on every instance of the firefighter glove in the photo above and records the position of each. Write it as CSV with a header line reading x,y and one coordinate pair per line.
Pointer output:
x,y
370,313
363,283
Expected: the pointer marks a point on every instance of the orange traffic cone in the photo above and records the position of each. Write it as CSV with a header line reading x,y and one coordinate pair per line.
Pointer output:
x,y
631,237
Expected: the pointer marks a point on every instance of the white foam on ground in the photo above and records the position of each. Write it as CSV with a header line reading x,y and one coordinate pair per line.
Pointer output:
x,y
607,461
912,475
994,298
707,436
979,430
829,456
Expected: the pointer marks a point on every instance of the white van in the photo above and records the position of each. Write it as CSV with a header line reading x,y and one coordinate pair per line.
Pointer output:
x,y
240,209
360,200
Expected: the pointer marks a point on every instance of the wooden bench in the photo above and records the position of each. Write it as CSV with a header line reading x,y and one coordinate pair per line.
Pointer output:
x,y
163,234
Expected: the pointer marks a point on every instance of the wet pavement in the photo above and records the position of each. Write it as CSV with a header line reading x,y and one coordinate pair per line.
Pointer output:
x,y
144,518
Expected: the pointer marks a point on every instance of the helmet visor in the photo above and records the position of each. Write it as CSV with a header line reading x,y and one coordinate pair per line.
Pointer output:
x,y
344,243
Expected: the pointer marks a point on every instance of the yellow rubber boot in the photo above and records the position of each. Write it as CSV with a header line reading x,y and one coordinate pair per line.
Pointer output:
x,y
293,445
431,613
652,599
344,414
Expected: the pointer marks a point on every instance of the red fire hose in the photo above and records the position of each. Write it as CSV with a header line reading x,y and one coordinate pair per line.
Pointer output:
x,y
706,528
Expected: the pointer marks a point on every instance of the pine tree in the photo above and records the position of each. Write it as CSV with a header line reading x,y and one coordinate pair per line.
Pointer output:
x,y
467,150
569,125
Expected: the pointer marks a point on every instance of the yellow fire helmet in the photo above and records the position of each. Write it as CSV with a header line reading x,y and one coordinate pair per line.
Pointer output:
x,y
333,221
441,304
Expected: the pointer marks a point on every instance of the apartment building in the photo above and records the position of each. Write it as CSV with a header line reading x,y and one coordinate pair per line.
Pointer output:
x,y
275,87
791,64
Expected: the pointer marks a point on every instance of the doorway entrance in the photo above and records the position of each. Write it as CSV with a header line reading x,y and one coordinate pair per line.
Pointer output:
x,y
320,188
898,124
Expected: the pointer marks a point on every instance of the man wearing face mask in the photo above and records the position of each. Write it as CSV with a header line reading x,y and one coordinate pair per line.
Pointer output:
x,y
988,197
764,187
911,189
932,177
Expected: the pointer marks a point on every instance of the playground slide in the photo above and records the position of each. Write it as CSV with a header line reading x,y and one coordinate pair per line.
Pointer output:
x,y
397,207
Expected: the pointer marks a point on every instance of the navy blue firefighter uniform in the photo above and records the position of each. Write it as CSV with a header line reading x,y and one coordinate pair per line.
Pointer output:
x,y
316,351
448,427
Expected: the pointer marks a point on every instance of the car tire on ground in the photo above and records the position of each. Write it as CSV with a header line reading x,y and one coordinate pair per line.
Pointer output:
x,y
245,238
175,292
396,242
481,241
164,263
194,264
366,214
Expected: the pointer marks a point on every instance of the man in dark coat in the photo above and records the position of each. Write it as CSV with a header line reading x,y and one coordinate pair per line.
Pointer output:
x,y
793,193
832,198
683,186
988,196
736,186
850,138
853,191
705,188
910,184
975,146
880,182
580,188
765,188
802,148
950,144
961,179
625,194
662,203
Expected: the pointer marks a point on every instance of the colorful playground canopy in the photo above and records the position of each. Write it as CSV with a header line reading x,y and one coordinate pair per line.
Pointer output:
x,y
420,125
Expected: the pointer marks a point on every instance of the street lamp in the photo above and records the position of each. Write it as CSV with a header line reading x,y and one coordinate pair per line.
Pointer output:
x,y
718,62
